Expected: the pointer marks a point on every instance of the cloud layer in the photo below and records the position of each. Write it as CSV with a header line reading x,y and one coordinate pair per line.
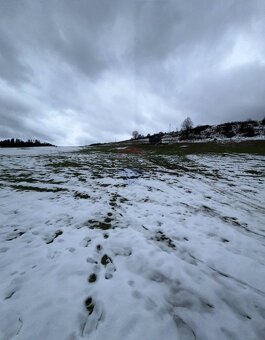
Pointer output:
x,y
76,72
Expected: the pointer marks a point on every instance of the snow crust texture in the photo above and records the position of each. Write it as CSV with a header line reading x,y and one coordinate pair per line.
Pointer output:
x,y
101,246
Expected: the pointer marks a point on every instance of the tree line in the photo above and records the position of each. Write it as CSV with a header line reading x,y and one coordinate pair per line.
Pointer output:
x,y
9,143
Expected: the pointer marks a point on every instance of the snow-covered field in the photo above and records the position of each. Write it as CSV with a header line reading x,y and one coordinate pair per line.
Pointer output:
x,y
115,246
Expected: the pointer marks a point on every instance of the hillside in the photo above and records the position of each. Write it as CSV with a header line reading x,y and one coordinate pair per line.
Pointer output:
x,y
241,130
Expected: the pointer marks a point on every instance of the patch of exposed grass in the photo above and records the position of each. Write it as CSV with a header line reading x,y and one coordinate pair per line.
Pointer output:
x,y
39,189
160,161
123,199
108,220
26,179
103,225
113,200
23,179
255,172
160,236
81,195
65,164
154,156
14,177
187,148
96,175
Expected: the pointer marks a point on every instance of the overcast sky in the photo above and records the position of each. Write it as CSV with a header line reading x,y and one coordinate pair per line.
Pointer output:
x,y
74,72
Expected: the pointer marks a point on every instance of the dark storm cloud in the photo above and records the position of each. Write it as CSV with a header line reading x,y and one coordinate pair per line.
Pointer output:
x,y
85,71
163,27
229,95
11,67
181,48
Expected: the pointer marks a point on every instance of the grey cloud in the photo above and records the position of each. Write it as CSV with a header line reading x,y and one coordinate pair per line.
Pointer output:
x,y
84,71
12,68
14,115
163,27
79,33
229,95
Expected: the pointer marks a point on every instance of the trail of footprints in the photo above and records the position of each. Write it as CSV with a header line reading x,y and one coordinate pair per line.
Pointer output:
x,y
102,262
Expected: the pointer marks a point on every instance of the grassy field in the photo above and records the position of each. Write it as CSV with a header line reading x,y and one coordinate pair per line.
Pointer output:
x,y
124,242
187,148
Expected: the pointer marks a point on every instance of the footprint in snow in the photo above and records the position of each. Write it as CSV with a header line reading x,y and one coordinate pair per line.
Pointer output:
x,y
91,260
50,238
104,261
85,242
95,316
14,286
107,262
184,330
131,283
149,304
15,234
10,325
92,278
136,294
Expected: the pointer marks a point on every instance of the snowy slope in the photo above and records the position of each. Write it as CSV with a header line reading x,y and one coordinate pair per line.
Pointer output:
x,y
99,246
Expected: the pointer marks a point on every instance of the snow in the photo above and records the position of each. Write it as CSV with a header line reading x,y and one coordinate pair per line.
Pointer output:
x,y
177,254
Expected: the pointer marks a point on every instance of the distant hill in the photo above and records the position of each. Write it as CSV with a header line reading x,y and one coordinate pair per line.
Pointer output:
x,y
17,143
240,130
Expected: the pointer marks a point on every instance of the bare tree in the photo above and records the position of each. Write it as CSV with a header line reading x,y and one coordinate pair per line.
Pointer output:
x,y
135,134
187,124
